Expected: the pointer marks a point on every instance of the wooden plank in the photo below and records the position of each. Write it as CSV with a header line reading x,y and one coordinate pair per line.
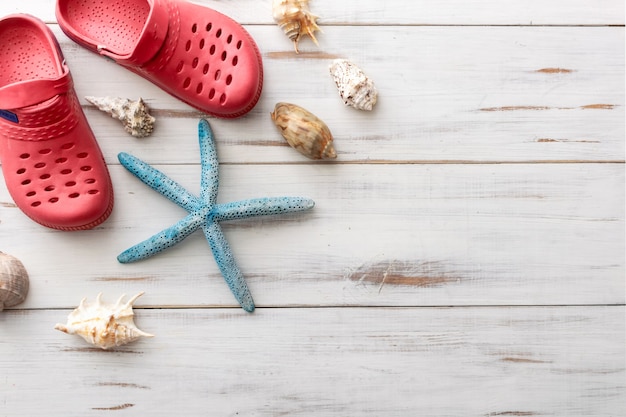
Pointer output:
x,y
446,94
397,12
541,361
389,235
466,255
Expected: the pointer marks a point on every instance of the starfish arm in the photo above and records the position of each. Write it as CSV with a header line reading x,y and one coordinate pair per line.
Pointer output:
x,y
164,239
209,180
261,207
226,263
159,182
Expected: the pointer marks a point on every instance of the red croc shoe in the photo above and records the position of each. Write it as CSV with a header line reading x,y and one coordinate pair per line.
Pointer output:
x,y
196,54
51,162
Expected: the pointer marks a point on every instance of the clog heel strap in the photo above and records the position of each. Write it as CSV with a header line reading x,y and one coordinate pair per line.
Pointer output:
x,y
38,109
31,92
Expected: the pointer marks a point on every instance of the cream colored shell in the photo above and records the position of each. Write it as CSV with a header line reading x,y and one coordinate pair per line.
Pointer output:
x,y
104,325
295,19
304,131
133,114
355,88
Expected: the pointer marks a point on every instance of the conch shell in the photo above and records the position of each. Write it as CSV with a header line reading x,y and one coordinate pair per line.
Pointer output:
x,y
104,325
132,113
304,131
295,19
355,88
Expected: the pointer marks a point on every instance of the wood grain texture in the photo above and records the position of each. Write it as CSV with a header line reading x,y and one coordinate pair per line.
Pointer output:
x,y
467,234
324,362
470,94
398,12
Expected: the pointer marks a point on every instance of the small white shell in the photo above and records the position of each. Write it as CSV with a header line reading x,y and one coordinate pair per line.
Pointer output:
x,y
104,325
355,88
295,19
132,113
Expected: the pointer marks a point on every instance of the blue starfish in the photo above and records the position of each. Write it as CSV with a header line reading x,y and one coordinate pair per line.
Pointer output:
x,y
204,213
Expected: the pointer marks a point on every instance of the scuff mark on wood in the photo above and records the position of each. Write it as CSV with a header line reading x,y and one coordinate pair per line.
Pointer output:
x,y
121,385
599,106
586,371
181,114
404,273
547,140
266,143
512,413
537,108
515,108
555,70
101,351
114,408
310,55
522,360
113,279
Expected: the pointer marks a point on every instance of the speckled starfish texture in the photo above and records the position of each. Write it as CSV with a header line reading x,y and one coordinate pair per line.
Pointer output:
x,y
204,213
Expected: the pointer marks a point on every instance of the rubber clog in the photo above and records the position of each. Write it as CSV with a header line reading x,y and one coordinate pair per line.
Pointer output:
x,y
51,162
196,54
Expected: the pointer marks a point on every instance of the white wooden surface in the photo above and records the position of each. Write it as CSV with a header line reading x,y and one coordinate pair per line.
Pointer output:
x,y
465,256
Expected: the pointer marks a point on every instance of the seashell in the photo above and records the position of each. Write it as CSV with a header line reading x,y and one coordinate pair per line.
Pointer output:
x,y
295,19
355,88
14,281
304,131
104,325
132,113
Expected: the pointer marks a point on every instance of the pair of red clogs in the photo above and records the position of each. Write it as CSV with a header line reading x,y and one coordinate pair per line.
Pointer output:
x,y
51,162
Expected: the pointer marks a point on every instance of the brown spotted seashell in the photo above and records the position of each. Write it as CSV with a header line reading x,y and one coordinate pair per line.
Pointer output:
x,y
295,19
304,131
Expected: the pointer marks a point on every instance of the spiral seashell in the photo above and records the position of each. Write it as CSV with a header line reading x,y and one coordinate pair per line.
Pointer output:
x,y
295,19
304,131
14,281
104,325
132,113
355,88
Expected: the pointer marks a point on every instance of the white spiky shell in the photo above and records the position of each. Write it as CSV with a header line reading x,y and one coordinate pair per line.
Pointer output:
x,y
104,325
295,19
133,114
355,88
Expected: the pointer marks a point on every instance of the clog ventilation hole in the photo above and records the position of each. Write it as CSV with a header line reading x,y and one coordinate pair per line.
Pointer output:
x,y
39,174
219,65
